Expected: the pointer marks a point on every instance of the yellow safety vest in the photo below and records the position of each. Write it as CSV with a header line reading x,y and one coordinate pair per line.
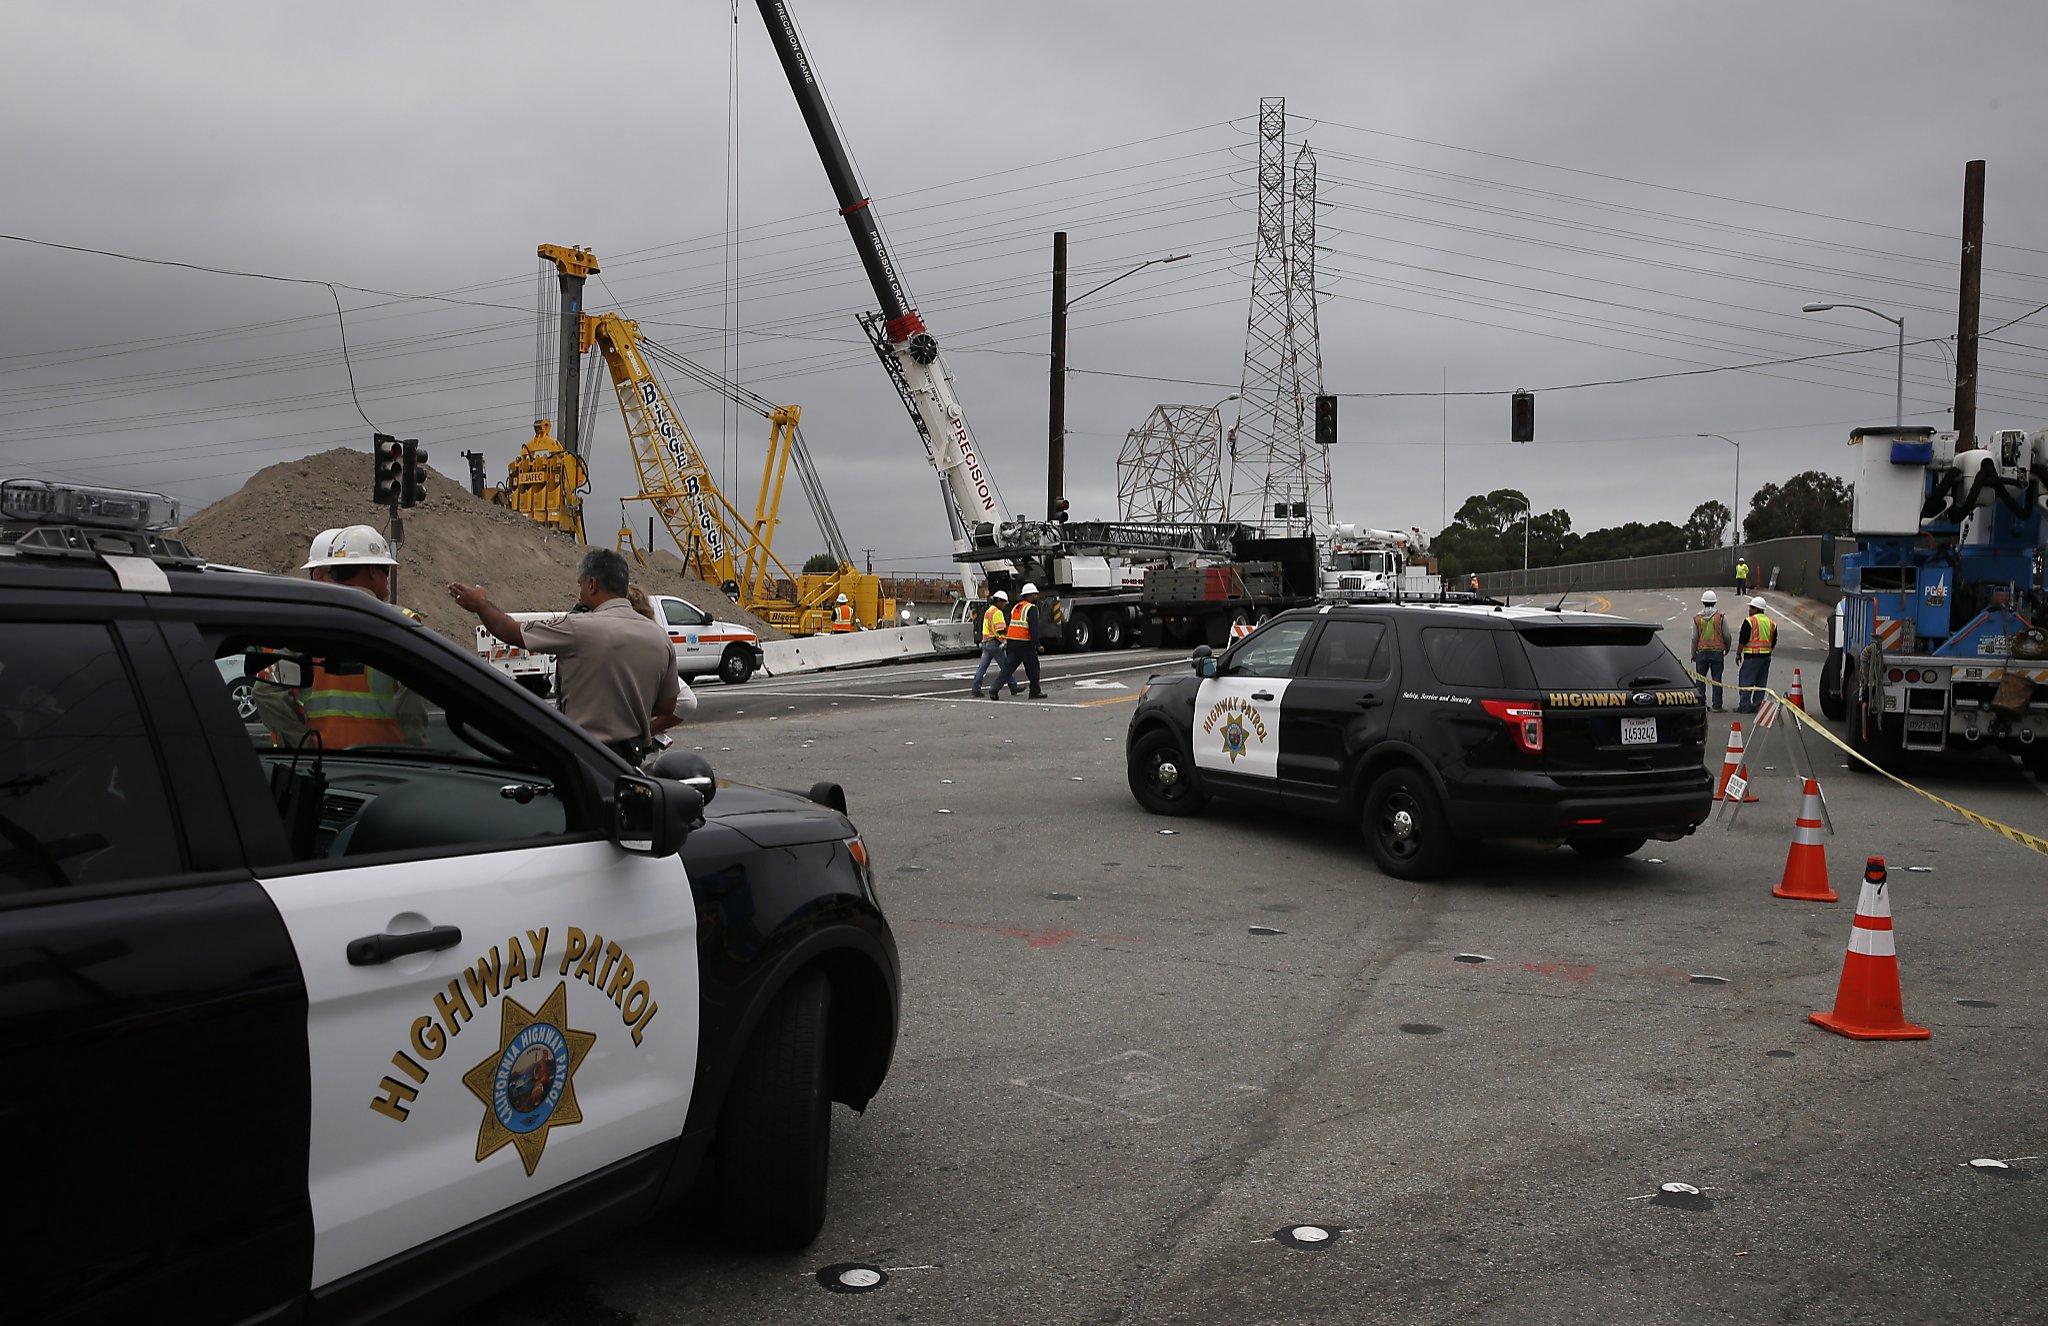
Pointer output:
x,y
992,622
1742,570
1713,629
1020,621
1763,635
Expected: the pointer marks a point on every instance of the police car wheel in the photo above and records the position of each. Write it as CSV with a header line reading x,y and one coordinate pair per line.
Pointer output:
x,y
1405,825
1162,776
775,1130
735,667
1608,847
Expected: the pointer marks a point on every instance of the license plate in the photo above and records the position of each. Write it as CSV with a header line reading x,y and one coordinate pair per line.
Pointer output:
x,y
1638,731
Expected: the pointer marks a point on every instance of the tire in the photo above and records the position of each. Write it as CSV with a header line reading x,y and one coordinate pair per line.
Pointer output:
x,y
1405,825
1109,626
1833,702
1858,722
243,692
1609,847
1162,776
736,666
775,1129
2035,757
1081,632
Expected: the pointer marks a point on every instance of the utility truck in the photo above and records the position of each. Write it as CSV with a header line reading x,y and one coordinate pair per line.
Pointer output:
x,y
1363,563
1938,642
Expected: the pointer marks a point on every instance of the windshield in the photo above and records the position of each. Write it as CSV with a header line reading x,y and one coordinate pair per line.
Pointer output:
x,y
1359,561
1581,658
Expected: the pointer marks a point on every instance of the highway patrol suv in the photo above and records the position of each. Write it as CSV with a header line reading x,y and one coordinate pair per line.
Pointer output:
x,y
1435,724
337,972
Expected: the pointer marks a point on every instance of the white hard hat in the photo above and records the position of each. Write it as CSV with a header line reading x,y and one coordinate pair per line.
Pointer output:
x,y
842,598
1029,588
352,545
323,543
1758,602
1002,594
1709,598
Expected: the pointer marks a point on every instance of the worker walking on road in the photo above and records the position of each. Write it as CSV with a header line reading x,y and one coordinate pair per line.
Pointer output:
x,y
1759,638
995,620
1742,575
1021,646
1709,646
842,616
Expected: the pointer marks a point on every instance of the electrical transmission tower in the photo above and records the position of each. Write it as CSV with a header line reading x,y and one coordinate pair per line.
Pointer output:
x,y
1277,479
1172,468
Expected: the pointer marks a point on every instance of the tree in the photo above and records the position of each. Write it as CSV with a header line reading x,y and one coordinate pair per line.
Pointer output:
x,y
1811,502
1493,512
1707,526
820,564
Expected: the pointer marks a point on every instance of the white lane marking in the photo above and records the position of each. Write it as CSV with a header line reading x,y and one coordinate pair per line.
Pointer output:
x,y
779,685
946,697
1098,684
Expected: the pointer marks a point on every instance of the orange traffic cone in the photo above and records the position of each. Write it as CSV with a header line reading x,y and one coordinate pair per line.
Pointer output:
x,y
1732,767
1806,865
1797,697
1868,1006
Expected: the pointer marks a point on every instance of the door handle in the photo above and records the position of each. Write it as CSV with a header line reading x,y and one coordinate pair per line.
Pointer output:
x,y
373,949
1366,701
1262,695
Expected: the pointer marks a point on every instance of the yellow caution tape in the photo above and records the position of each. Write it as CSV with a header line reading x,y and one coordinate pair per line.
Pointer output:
x,y
2006,831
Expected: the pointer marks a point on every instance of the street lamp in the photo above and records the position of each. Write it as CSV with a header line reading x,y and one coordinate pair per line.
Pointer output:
x,y
1056,427
1525,543
1899,396
1734,516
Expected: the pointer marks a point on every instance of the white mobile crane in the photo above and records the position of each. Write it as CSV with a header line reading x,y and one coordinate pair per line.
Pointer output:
x,y
1104,584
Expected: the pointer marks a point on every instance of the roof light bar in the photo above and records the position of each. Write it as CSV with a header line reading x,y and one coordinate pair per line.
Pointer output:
x,y
39,502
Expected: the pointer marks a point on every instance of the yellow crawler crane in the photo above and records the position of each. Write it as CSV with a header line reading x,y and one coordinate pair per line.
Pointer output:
x,y
547,479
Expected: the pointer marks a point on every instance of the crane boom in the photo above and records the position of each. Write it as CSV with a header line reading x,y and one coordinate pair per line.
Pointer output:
x,y
926,387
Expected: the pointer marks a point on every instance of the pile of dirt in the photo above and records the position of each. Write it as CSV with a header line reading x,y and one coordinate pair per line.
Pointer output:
x,y
451,535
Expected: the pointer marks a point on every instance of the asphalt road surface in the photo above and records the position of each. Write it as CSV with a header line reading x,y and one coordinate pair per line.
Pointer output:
x,y
1133,1061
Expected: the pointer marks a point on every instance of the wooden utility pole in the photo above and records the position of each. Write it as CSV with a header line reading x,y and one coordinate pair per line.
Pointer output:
x,y
1056,425
1966,312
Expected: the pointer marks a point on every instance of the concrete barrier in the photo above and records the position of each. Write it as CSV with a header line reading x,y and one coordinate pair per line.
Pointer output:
x,y
1790,566
815,653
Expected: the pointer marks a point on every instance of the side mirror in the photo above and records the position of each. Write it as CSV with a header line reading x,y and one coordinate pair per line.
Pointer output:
x,y
652,817
1203,661
1827,558
291,670
688,768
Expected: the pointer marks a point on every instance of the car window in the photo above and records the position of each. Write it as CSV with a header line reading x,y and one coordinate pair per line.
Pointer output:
x,y
678,613
1350,651
1270,653
364,751
1463,656
1578,658
82,799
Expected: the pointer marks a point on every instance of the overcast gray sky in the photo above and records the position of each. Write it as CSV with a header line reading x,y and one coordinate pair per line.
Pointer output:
x,y
1515,195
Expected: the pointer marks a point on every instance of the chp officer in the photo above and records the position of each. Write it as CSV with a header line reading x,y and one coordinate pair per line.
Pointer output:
x,y
615,670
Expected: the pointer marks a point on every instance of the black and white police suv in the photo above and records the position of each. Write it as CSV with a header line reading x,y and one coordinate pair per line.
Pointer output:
x,y
337,972
1433,724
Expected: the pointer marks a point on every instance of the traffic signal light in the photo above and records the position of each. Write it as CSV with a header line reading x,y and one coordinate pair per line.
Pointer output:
x,y
413,479
1059,510
387,456
1522,417
1326,421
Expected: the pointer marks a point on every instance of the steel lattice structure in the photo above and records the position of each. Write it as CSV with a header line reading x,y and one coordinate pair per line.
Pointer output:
x,y
1172,468
1273,456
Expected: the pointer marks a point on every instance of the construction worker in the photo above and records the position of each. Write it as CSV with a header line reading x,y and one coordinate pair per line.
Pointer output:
x,y
1021,645
994,621
1742,575
345,703
1709,646
1475,582
615,670
842,616
1759,638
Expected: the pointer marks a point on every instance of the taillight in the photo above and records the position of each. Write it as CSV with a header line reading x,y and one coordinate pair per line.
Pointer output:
x,y
1524,722
1896,674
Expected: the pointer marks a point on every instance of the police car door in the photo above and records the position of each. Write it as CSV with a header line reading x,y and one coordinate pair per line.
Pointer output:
x,y
1236,738
500,999
1336,708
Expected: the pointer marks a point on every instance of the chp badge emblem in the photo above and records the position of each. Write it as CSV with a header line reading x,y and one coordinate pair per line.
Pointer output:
x,y
1235,734
529,1084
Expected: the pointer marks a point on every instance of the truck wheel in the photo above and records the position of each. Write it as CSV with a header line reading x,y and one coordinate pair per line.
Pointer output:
x,y
1081,632
1110,627
1832,702
1405,825
775,1130
1162,776
736,666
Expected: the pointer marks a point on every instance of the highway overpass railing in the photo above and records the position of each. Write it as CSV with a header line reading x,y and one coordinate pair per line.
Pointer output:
x,y
1791,566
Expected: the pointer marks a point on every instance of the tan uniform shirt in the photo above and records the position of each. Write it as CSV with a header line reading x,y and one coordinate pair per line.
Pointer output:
x,y
614,669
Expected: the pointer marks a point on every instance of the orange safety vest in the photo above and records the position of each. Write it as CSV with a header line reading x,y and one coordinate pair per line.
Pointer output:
x,y
842,617
1475,584
353,709
1763,635
992,622
1713,631
1020,622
